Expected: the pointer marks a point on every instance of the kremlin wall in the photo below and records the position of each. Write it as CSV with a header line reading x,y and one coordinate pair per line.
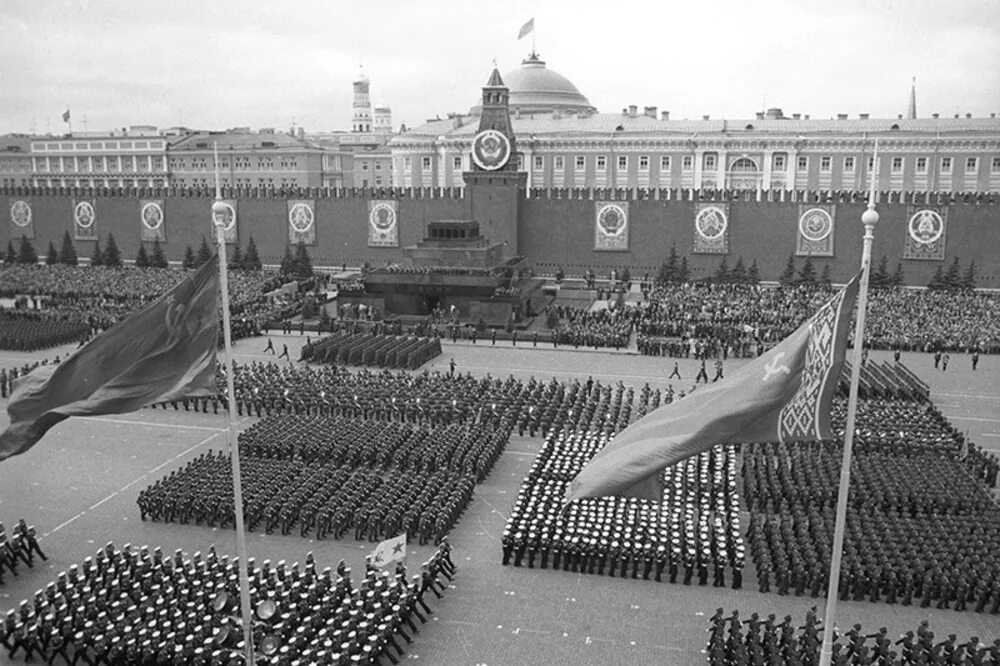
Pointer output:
x,y
734,202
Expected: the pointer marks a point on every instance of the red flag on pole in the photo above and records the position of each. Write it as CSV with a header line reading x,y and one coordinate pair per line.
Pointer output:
x,y
165,351
784,395
527,28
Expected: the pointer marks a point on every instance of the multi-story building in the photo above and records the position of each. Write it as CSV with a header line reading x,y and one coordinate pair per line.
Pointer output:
x,y
564,142
133,157
265,158
15,160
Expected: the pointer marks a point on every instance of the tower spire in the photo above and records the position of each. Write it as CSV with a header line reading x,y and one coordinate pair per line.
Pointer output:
x,y
911,111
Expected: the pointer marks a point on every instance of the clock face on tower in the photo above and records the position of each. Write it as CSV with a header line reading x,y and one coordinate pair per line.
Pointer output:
x,y
490,150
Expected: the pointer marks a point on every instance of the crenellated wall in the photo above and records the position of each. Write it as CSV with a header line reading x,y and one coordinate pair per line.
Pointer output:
x,y
555,227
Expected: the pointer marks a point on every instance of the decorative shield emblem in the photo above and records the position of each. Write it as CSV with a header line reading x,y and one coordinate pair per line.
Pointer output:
x,y
83,214
228,216
382,217
152,221
611,220
711,223
490,150
926,227
20,213
301,218
815,225
611,226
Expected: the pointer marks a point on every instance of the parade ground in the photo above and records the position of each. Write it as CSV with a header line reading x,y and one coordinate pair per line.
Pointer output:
x,y
79,485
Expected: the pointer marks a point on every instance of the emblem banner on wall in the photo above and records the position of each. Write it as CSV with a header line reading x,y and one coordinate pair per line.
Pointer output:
x,y
152,221
711,228
815,232
301,221
229,230
383,223
611,226
21,223
925,233
84,219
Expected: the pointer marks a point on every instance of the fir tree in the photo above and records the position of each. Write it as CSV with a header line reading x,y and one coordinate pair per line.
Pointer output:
x,y
722,272
97,259
683,273
68,253
26,254
880,276
112,255
753,275
897,275
825,277
937,280
787,277
952,276
51,256
302,266
236,258
739,272
142,259
204,253
11,253
668,270
189,261
251,261
158,259
968,281
287,262
807,275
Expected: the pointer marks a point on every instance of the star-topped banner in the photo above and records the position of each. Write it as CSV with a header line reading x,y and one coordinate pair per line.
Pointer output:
x,y
389,551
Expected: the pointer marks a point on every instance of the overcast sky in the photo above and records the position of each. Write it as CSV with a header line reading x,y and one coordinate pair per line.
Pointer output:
x,y
221,63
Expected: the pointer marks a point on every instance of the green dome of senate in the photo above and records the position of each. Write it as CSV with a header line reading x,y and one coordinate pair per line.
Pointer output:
x,y
534,88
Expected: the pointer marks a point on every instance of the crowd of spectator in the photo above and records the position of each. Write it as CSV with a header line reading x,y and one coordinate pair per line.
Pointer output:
x,y
93,298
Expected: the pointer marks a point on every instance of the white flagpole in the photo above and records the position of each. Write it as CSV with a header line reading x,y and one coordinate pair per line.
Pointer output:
x,y
219,211
869,218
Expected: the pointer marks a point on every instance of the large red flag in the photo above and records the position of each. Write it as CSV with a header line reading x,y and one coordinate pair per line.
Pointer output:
x,y
783,395
163,352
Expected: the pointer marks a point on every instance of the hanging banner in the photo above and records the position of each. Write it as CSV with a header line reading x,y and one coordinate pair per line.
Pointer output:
x,y
711,228
229,230
21,224
611,226
152,221
84,219
925,233
383,223
301,222
815,233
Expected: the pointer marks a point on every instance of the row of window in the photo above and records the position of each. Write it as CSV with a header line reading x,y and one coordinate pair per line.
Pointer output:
x,y
99,163
240,163
99,182
98,145
779,162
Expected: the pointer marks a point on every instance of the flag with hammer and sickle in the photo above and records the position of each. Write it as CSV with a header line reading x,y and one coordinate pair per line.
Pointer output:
x,y
783,395
165,351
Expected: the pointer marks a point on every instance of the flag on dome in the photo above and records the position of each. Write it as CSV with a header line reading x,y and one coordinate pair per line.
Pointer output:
x,y
66,116
163,352
390,550
527,28
784,395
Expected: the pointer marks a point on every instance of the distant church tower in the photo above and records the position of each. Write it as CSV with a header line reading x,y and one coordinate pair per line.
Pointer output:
x,y
361,121
383,119
494,185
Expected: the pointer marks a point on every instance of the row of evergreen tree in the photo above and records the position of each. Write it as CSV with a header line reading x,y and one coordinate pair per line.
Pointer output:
x,y
674,270
297,265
